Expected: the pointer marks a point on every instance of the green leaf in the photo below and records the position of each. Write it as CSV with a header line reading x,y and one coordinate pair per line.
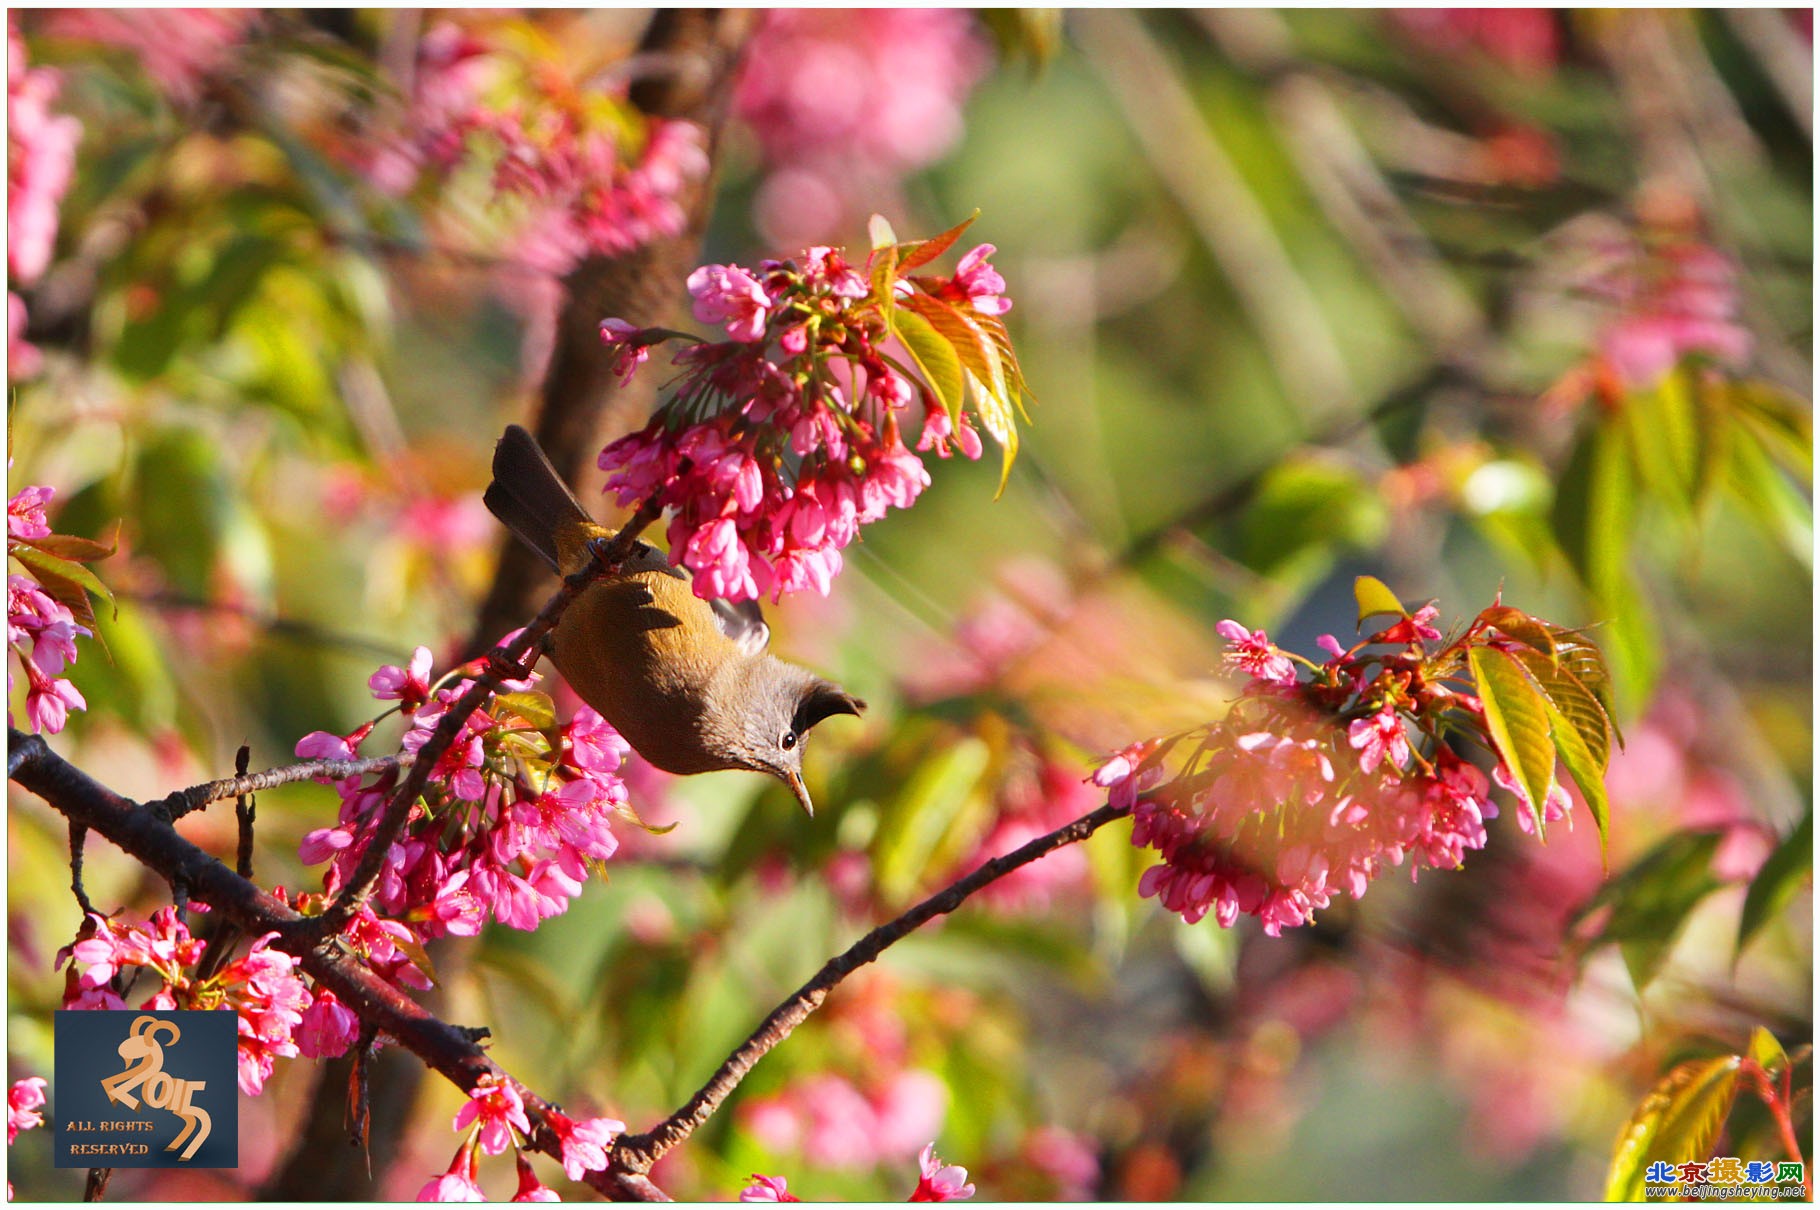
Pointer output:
x,y
1594,508
884,282
1582,715
1000,336
1679,1120
1783,422
626,811
1718,428
878,229
1521,627
931,799
61,578
80,550
1765,492
1777,881
1586,770
996,418
934,357
1517,715
535,708
1766,1051
969,342
419,956
916,255
1650,901
1663,436
1374,597
1581,658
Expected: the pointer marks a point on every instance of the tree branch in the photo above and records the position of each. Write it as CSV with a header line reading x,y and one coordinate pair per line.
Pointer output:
x,y
503,659
195,798
149,838
634,1154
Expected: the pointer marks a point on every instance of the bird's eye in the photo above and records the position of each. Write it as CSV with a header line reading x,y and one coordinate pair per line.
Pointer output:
x,y
788,740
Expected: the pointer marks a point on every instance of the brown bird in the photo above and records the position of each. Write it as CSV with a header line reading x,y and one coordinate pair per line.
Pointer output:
x,y
687,682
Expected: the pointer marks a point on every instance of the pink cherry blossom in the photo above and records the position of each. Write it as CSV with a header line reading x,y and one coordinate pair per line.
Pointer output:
x,y
23,1100
981,283
40,161
458,1184
409,684
584,1144
845,103
496,1105
178,47
530,1189
628,354
1378,737
25,513
940,1182
328,1029
1554,807
729,294
1251,651
939,429
1522,39
767,1189
1672,299
49,700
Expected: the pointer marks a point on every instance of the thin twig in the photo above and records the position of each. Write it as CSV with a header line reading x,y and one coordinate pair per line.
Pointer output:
x,y
78,836
635,1154
195,798
244,810
95,1187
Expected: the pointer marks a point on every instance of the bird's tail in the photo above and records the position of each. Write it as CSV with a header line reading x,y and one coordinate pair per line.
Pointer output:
x,y
529,496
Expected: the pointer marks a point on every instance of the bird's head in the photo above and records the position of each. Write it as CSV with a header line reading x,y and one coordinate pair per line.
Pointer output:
x,y
781,705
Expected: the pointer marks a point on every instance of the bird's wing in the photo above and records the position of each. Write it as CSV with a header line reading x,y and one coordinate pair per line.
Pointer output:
x,y
743,622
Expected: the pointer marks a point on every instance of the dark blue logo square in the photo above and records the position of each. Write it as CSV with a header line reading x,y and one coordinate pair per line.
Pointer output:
x,y
140,1088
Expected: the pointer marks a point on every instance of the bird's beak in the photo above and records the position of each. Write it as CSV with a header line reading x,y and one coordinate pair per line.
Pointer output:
x,y
797,787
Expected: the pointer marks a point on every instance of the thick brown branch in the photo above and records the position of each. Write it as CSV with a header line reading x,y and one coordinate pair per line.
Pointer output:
x,y
695,53
634,1154
148,836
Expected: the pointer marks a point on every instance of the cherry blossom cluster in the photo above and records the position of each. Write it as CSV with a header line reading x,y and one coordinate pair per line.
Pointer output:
x,y
846,103
179,48
1673,296
939,1182
23,1101
513,817
277,1015
1312,788
41,629
494,1117
557,144
40,160
780,441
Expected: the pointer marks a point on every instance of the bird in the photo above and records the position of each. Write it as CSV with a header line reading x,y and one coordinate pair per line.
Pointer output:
x,y
689,683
